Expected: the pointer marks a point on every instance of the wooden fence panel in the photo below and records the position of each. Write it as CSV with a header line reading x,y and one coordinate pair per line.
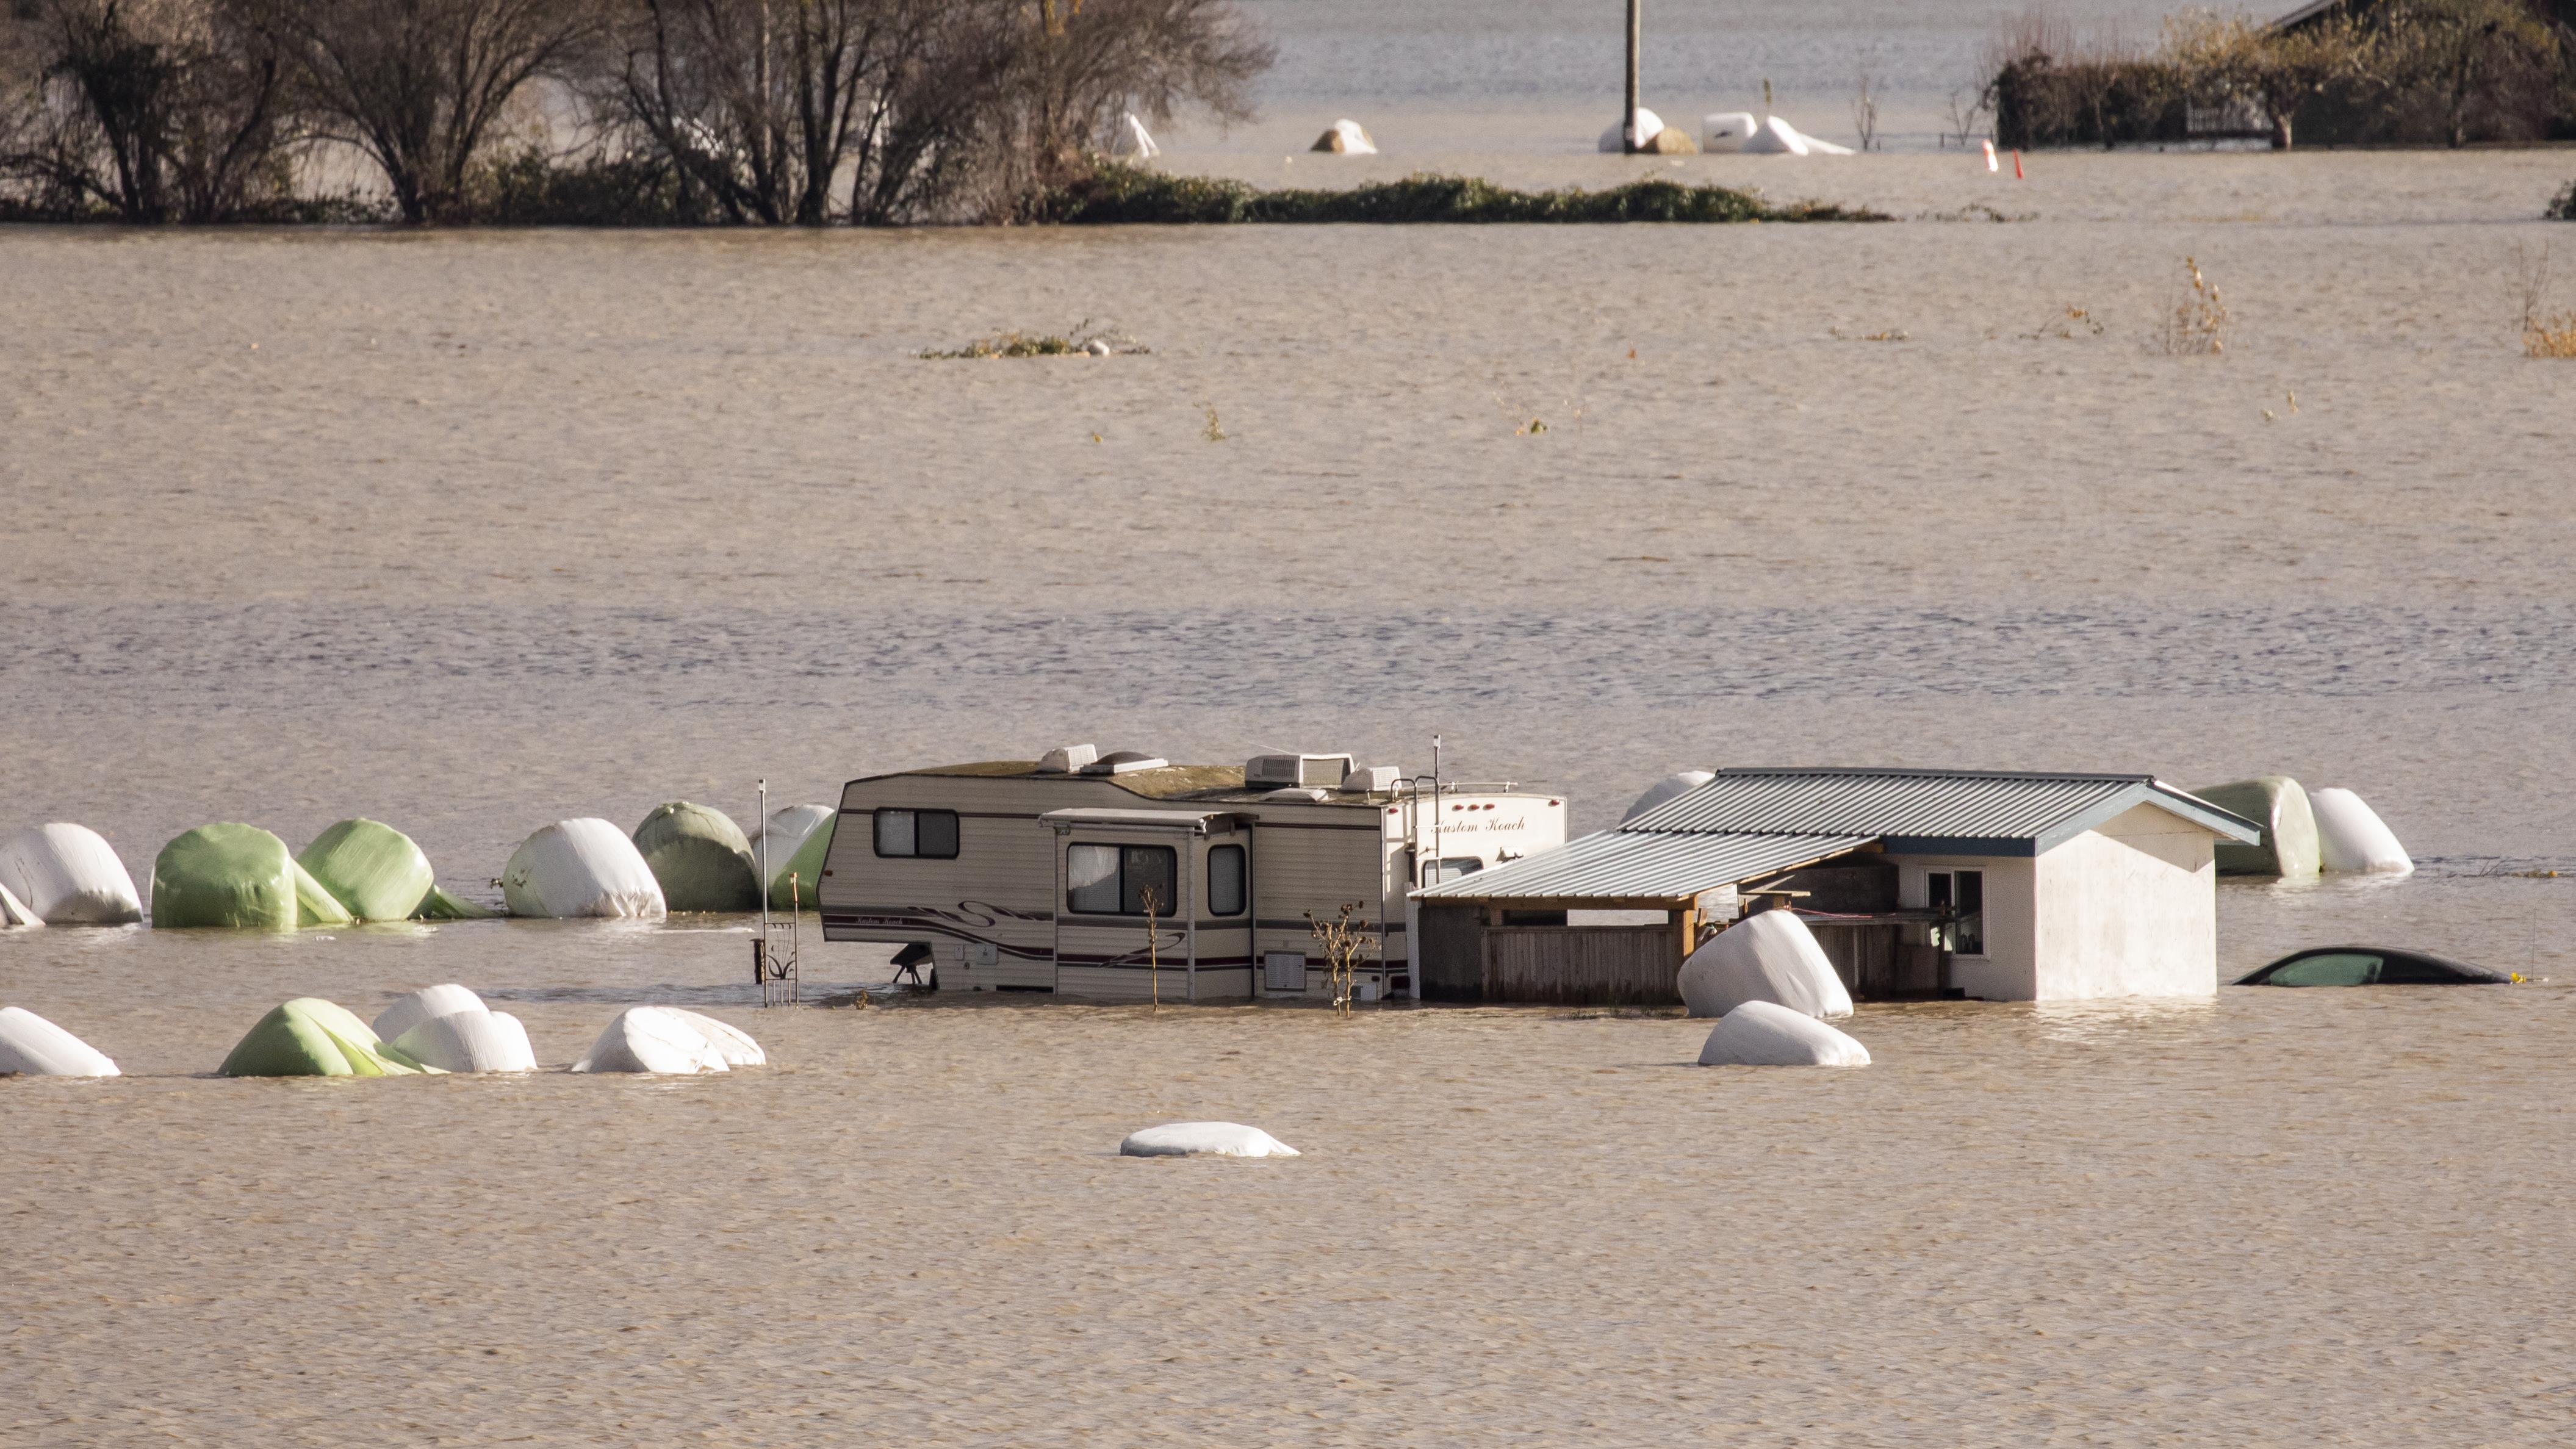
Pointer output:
x,y
1584,965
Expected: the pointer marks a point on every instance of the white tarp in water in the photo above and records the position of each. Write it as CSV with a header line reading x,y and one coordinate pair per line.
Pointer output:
x,y
1210,1139
655,1039
410,1011
584,867
1770,956
2352,837
66,875
14,914
34,1047
1648,124
469,1041
1765,1034
1671,787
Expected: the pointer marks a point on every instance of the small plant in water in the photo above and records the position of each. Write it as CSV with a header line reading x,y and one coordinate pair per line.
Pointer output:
x,y
1086,341
2197,321
1341,939
2078,322
1214,432
2544,333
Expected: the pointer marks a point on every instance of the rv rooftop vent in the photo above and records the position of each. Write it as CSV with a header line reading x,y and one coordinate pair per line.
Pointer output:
x,y
1065,759
1119,762
1295,771
1371,779
1315,793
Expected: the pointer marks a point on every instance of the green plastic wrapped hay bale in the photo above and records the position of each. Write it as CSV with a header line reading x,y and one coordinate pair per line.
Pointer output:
x,y
2280,806
438,905
700,857
227,874
374,871
310,1037
799,836
314,903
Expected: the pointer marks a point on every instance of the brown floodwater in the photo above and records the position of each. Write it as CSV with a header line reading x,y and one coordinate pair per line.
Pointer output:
x,y
471,532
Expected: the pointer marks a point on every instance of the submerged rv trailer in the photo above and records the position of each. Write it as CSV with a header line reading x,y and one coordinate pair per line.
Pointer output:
x,y
1121,877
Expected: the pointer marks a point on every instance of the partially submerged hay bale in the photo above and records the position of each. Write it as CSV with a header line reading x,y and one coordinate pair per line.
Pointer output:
x,y
1345,138
2275,802
1671,787
1726,130
1204,1139
230,874
13,913
2352,837
31,1046
469,1041
310,1037
797,837
1767,1034
584,867
700,858
657,1039
374,871
1649,125
1770,956
413,1008
67,875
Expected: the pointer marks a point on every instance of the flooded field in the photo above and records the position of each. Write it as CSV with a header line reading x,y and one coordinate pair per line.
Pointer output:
x,y
472,532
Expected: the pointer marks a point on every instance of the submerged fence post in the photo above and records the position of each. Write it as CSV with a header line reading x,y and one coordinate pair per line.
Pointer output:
x,y
1628,118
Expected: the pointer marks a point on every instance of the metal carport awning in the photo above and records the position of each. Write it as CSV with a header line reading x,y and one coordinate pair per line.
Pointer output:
x,y
1636,865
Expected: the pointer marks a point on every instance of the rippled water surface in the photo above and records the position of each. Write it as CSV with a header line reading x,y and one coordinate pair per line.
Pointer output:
x,y
473,532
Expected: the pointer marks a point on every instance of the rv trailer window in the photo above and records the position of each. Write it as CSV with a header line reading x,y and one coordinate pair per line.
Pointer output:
x,y
1225,881
929,834
1450,867
1091,879
1144,870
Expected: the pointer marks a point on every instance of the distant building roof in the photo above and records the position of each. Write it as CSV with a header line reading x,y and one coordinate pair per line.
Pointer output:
x,y
1968,811
1746,824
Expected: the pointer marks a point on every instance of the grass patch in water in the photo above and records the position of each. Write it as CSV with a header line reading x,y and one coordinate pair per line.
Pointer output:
x,y
1125,195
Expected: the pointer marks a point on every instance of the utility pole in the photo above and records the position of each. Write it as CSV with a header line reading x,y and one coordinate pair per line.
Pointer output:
x,y
1628,117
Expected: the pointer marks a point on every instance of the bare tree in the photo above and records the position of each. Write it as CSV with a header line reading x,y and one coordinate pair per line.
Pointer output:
x,y
418,85
769,104
1079,66
1864,107
152,108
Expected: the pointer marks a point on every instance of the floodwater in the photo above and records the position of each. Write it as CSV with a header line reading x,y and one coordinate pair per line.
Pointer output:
x,y
473,532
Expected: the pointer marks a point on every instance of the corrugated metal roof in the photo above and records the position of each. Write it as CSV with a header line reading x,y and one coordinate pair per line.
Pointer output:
x,y
1634,864
1922,805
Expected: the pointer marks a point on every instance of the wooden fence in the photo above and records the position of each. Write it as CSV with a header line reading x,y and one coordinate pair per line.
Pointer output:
x,y
1583,965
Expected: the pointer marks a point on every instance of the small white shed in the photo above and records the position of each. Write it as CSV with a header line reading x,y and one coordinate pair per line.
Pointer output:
x,y
1993,885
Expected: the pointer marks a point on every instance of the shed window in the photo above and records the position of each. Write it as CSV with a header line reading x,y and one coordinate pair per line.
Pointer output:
x,y
1962,894
1116,880
1225,881
928,834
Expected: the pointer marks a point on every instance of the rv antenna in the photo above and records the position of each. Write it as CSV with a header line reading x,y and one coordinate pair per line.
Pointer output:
x,y
1435,797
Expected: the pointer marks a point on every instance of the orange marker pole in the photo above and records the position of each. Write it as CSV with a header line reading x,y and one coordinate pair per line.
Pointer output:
x,y
2017,166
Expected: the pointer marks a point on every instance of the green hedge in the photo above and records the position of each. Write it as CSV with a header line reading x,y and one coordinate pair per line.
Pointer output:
x,y
1124,195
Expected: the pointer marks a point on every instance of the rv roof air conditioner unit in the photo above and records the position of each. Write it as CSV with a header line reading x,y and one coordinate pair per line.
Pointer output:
x,y
1065,759
1119,762
1372,779
1291,772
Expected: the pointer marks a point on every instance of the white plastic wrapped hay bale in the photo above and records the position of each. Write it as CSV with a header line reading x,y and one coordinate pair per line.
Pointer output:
x,y
1345,137
796,838
1766,1034
1648,124
31,1046
411,1010
2276,803
652,1039
2352,837
1671,787
1723,131
14,913
1204,1139
469,1041
1770,956
731,1042
584,867
68,875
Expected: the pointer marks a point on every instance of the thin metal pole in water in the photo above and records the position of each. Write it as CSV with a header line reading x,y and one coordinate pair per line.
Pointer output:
x,y
1636,36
